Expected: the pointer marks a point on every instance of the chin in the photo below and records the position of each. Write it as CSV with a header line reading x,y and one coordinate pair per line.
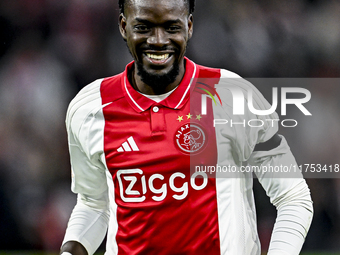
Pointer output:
x,y
158,78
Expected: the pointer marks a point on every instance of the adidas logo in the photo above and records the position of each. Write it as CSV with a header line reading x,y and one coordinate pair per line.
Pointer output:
x,y
129,145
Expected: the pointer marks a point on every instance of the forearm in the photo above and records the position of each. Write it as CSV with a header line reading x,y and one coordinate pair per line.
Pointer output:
x,y
290,195
86,229
292,223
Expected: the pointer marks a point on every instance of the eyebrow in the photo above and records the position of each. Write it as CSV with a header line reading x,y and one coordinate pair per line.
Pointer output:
x,y
149,22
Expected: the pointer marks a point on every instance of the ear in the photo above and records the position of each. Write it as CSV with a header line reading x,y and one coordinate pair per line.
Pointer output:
x,y
190,26
122,25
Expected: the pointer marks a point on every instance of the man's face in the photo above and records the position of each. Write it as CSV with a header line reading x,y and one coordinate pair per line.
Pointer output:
x,y
157,33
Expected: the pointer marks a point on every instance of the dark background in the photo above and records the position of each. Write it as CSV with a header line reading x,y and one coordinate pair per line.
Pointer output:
x,y
49,49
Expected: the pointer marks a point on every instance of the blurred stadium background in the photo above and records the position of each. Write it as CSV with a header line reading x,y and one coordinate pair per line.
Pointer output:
x,y
52,48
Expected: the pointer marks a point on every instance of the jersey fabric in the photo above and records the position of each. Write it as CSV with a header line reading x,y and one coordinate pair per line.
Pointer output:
x,y
135,161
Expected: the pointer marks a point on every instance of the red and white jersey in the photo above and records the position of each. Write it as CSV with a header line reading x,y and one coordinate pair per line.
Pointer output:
x,y
140,157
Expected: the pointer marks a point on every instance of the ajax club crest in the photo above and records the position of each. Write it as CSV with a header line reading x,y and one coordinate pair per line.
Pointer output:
x,y
190,138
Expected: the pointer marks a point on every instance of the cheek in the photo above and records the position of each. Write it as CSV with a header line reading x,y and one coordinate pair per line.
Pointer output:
x,y
132,46
181,40
134,43
182,44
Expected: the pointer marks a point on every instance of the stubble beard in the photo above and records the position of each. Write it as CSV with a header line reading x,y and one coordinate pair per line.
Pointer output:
x,y
158,82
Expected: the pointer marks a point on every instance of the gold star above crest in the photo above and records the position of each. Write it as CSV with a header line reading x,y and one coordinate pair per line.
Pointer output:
x,y
189,116
198,117
180,118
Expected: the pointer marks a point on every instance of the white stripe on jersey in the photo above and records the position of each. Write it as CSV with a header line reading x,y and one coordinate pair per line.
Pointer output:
x,y
186,91
127,91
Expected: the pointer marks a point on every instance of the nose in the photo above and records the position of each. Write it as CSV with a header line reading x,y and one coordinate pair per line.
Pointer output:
x,y
158,38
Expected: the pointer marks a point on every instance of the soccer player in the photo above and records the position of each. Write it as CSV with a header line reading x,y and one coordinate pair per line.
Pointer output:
x,y
137,138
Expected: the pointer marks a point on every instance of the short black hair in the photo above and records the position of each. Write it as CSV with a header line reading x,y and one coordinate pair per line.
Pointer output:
x,y
191,5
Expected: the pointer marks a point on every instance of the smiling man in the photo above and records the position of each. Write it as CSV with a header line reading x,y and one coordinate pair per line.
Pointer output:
x,y
157,33
136,138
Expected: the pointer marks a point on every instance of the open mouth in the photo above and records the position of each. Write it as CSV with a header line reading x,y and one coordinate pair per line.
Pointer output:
x,y
158,58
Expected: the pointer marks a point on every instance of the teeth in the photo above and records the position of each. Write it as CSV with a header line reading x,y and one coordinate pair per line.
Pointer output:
x,y
157,57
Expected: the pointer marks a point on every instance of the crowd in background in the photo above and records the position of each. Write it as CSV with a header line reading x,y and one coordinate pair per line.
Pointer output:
x,y
50,49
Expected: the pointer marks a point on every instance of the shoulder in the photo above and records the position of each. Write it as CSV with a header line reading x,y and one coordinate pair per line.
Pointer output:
x,y
212,72
242,96
91,99
236,87
83,104
233,81
224,79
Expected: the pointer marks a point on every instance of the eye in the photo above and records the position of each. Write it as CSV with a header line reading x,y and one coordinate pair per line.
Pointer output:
x,y
173,29
141,28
